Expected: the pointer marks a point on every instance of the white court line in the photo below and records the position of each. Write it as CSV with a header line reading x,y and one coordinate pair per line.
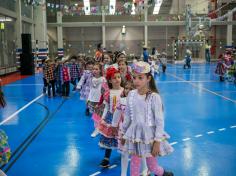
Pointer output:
x,y
163,82
21,109
113,166
96,173
210,132
198,135
186,139
222,129
202,88
173,143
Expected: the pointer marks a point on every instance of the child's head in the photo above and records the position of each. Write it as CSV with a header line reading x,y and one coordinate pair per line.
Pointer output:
x,y
73,59
89,64
106,58
119,56
97,70
122,65
113,78
142,77
128,87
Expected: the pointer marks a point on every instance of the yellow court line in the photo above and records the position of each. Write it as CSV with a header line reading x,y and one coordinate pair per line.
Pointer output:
x,y
202,88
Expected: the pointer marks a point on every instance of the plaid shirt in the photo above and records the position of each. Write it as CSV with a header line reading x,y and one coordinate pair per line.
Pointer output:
x,y
74,71
49,72
65,73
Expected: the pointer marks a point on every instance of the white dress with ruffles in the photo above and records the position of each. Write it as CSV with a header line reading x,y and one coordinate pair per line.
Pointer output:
x,y
144,124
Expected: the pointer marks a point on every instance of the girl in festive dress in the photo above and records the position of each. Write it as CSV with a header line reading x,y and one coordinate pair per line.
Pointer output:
x,y
111,100
143,132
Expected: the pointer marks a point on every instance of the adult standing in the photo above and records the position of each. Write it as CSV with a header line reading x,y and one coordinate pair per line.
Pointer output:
x,y
99,52
145,54
207,51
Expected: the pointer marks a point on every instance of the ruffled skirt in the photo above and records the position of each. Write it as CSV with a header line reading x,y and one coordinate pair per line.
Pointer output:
x,y
108,137
139,141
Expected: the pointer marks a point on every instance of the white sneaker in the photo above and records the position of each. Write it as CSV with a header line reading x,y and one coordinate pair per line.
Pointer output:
x,y
2,173
95,133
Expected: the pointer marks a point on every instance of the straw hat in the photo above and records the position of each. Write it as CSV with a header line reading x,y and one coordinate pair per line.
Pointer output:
x,y
141,67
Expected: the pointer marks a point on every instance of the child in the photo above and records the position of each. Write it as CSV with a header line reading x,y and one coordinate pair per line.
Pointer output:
x,y
163,61
2,99
74,72
85,83
107,139
106,60
117,121
124,71
221,67
95,94
188,59
143,127
45,85
58,75
66,79
232,72
49,76
154,66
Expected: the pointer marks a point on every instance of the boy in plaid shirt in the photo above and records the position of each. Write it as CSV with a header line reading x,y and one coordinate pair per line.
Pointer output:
x,y
74,71
49,76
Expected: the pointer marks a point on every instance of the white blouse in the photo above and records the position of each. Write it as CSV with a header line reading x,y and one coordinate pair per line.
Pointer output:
x,y
95,89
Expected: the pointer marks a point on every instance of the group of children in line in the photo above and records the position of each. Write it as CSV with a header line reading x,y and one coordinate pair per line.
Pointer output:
x,y
127,112
156,61
59,73
226,66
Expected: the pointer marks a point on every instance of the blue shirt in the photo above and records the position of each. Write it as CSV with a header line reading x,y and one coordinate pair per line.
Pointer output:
x,y
145,56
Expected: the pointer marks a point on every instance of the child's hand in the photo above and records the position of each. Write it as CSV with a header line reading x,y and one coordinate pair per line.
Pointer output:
x,y
155,148
122,141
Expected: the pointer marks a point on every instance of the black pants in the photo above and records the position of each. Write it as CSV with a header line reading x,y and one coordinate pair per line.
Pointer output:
x,y
51,85
73,81
66,88
163,68
45,84
107,153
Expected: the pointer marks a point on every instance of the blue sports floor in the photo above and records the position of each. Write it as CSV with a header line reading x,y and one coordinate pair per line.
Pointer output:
x,y
51,137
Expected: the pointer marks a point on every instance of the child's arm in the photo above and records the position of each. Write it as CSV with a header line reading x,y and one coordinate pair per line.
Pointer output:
x,y
157,108
81,82
127,118
105,110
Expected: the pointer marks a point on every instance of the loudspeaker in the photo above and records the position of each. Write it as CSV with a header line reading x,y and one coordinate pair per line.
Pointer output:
x,y
26,43
27,64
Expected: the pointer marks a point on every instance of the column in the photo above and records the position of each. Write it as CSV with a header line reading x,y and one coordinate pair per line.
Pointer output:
x,y
60,48
230,29
103,30
145,26
18,24
40,30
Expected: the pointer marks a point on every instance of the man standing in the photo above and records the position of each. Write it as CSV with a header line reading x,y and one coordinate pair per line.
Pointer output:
x,y
145,54
207,52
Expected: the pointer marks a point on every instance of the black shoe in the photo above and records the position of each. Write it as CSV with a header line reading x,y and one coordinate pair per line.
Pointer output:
x,y
87,113
105,163
166,173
